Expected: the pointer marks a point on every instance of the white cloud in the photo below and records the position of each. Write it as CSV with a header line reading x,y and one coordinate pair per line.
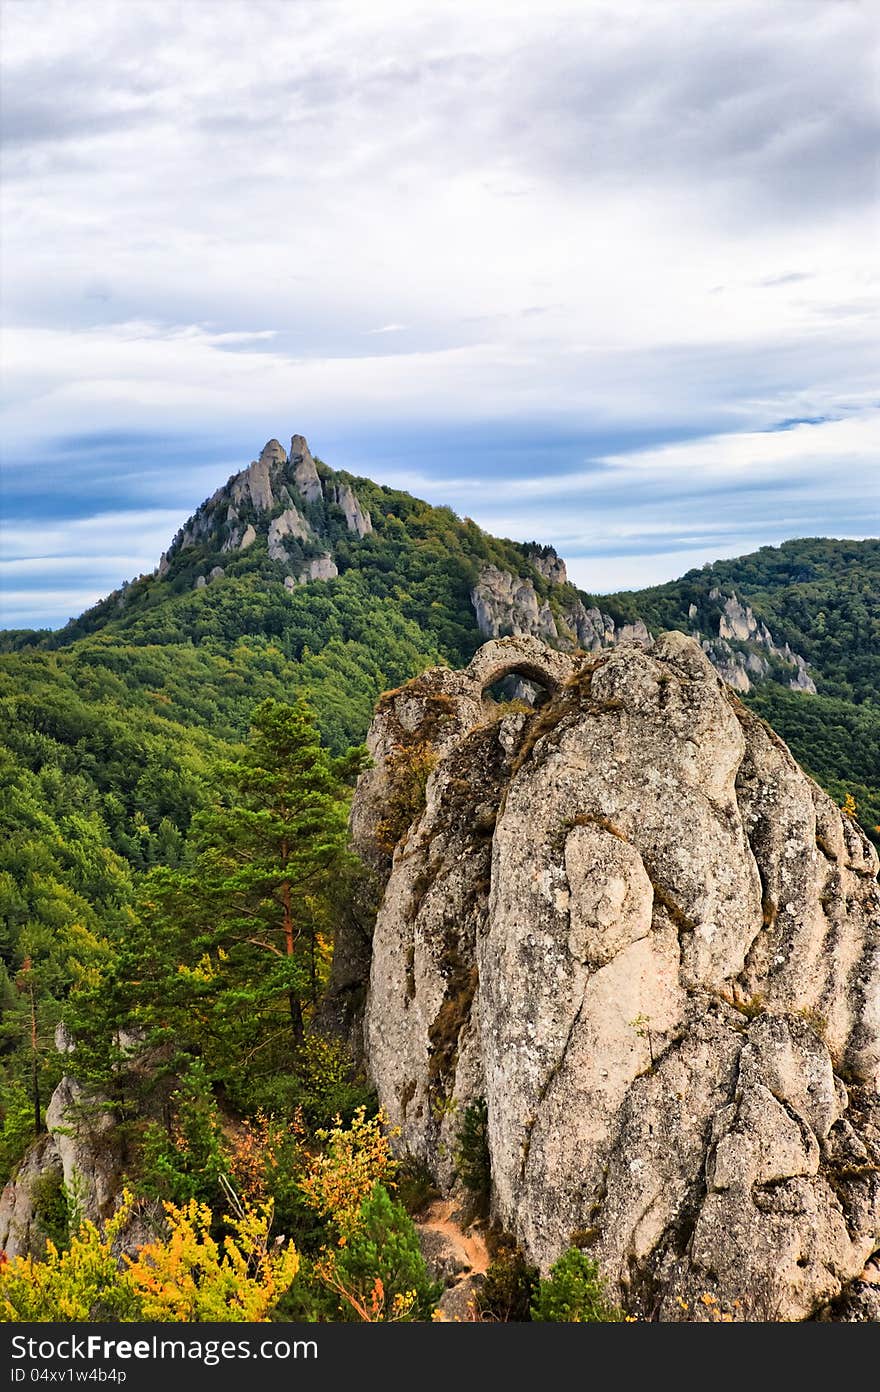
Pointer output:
x,y
606,574
112,537
26,608
823,452
349,217
92,555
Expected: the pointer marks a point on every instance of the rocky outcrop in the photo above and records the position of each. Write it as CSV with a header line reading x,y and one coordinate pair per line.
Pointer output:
x,y
430,715
743,650
20,1232
305,474
505,604
801,681
548,564
591,628
647,939
739,666
82,1149
357,519
738,621
89,1147
267,500
321,568
290,523
254,484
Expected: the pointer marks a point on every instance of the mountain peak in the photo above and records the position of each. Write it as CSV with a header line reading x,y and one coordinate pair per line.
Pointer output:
x,y
273,453
282,501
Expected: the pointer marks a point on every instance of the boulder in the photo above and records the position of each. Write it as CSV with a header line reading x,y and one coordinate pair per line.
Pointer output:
x,y
635,927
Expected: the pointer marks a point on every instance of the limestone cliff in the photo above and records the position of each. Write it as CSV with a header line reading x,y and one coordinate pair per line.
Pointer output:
x,y
282,498
745,648
635,927
82,1147
738,644
507,605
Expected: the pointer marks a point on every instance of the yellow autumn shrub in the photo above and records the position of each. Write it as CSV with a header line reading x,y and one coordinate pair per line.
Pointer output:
x,y
191,1277
354,1159
186,1275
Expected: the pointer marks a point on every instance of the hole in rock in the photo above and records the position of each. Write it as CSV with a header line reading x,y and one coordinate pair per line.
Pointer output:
x,y
516,688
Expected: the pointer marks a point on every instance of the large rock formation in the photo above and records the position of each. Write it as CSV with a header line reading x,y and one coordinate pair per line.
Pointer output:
x,y
740,646
546,561
289,523
20,1231
83,1149
280,498
506,604
305,475
633,925
357,519
751,659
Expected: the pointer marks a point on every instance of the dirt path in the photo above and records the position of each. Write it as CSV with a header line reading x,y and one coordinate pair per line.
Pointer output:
x,y
468,1245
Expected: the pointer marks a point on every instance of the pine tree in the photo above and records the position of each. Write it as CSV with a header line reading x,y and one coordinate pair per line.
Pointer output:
x,y
380,1273
228,944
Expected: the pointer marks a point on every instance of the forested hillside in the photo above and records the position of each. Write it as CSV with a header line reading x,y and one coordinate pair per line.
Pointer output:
x,y
122,734
820,595
823,597
114,727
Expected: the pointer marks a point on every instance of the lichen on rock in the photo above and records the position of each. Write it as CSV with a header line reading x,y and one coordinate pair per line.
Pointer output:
x,y
633,925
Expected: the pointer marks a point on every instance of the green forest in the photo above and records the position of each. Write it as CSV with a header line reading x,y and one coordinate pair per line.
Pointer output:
x,y
177,766
822,597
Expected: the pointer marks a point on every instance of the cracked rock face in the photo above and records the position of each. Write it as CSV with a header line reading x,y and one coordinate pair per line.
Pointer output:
x,y
82,1149
305,474
290,523
20,1234
273,490
504,602
357,519
633,925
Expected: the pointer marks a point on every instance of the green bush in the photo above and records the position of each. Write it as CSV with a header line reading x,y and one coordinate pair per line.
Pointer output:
x,y
506,1295
318,1081
52,1207
379,1274
327,1085
472,1161
385,1245
16,1129
574,1293
414,1185
185,1161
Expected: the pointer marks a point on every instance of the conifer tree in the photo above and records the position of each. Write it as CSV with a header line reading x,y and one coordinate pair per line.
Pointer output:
x,y
227,948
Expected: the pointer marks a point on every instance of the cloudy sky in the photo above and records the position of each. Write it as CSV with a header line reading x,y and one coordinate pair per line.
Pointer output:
x,y
598,273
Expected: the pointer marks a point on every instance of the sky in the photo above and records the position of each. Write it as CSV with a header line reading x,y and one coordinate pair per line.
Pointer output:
x,y
602,275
